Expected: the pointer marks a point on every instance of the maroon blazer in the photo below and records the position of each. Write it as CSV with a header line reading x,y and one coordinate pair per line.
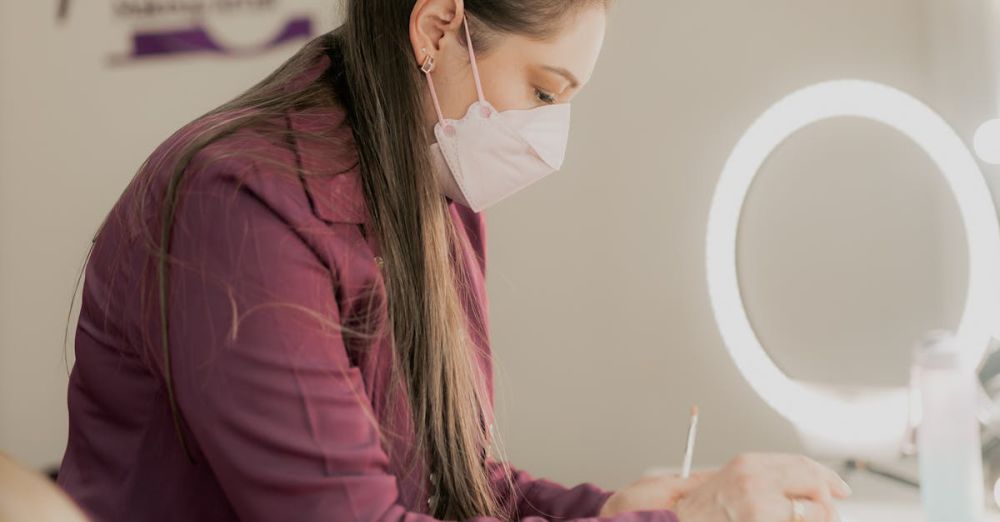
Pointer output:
x,y
277,410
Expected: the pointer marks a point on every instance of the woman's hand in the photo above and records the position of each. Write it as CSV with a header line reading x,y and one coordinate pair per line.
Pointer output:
x,y
28,495
652,492
761,487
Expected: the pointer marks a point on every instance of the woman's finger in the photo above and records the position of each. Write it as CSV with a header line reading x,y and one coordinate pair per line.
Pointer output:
x,y
799,473
797,476
818,494
698,477
838,487
805,510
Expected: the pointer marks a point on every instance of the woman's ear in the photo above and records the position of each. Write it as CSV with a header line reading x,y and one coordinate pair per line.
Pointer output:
x,y
430,22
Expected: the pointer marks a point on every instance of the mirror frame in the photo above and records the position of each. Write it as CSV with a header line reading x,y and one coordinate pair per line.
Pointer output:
x,y
877,416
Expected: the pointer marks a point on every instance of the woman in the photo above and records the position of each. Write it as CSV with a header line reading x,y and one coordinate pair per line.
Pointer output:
x,y
285,317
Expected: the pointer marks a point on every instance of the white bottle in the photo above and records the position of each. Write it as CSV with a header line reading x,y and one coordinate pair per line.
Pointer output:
x,y
948,439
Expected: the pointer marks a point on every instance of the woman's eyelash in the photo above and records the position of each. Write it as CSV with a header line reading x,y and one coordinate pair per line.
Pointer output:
x,y
544,97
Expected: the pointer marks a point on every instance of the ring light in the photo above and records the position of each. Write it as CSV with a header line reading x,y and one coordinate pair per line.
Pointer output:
x,y
873,417
987,142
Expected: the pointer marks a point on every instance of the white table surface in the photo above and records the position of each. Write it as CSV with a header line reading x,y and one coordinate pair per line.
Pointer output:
x,y
880,499
875,499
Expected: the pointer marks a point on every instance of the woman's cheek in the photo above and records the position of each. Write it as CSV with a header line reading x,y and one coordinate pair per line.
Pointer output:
x,y
512,96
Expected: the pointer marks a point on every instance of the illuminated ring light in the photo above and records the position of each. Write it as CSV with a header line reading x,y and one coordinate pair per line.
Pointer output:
x,y
876,416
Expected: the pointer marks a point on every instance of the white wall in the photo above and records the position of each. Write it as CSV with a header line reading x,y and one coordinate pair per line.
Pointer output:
x,y
850,245
601,323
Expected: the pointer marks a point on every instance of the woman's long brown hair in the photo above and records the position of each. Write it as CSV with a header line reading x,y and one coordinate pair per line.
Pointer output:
x,y
374,77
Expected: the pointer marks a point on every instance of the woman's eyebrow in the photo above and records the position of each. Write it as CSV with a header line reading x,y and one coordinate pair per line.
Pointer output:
x,y
574,83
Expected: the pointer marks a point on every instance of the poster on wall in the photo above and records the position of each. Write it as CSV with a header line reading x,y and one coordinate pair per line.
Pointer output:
x,y
147,30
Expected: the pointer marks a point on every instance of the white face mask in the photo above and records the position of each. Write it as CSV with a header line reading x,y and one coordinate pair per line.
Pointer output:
x,y
488,155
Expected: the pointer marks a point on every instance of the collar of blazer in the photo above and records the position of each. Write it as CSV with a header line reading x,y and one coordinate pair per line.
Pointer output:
x,y
329,162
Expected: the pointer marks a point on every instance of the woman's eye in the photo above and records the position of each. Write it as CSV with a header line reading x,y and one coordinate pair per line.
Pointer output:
x,y
544,97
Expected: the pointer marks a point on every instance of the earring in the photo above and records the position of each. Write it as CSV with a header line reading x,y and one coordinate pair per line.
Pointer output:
x,y
428,64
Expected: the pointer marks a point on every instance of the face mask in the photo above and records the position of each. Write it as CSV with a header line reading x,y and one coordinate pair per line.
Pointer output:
x,y
488,155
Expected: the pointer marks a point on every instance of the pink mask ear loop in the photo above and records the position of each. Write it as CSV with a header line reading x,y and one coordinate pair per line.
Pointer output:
x,y
448,129
472,60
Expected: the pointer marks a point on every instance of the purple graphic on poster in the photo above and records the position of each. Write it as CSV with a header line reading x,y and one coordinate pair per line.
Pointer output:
x,y
198,39
179,28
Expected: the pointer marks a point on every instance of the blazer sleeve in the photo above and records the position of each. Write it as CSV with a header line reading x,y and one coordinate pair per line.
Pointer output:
x,y
541,497
262,377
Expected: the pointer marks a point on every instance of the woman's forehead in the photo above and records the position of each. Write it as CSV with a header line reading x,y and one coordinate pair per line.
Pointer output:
x,y
574,48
